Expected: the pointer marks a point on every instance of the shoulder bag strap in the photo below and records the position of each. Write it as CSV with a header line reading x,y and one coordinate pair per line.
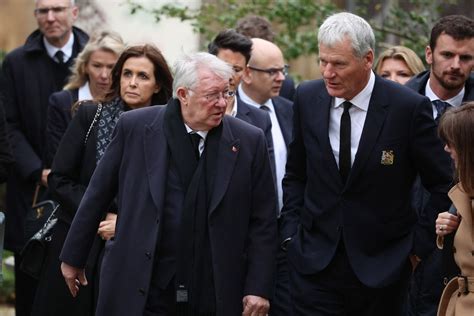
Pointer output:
x,y
96,117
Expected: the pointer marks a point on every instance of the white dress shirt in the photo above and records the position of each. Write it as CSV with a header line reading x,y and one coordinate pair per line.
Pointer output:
x,y
358,113
203,135
66,49
84,92
279,145
454,101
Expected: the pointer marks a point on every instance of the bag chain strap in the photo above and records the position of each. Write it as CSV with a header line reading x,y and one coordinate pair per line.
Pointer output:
x,y
96,117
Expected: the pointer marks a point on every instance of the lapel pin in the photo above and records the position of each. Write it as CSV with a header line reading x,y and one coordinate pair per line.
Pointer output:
x,y
387,157
234,149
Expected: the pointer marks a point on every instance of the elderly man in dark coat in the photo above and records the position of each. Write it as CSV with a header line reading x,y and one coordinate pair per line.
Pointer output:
x,y
30,74
196,229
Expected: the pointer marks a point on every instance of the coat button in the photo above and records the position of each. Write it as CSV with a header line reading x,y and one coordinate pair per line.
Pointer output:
x,y
148,255
141,291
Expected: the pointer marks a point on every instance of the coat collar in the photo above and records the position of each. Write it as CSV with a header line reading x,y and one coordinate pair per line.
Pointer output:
x,y
156,159
34,42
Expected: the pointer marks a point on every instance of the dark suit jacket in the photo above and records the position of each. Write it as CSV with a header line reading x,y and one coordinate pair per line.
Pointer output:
x,y
59,116
29,76
284,113
242,224
371,212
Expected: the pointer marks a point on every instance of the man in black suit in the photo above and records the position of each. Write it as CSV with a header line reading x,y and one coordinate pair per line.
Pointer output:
x,y
358,143
448,83
196,228
235,49
30,74
260,87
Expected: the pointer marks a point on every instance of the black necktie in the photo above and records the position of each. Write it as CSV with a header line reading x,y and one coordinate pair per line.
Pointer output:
x,y
345,143
60,57
441,107
195,140
265,108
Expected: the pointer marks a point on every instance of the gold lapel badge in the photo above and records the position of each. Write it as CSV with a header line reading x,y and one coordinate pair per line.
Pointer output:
x,y
387,157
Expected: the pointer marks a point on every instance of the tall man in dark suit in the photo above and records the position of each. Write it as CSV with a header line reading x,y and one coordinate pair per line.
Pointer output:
x,y
448,83
358,143
30,74
235,49
196,228
260,87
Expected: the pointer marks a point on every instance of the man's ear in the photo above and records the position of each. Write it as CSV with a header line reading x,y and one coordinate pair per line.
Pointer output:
x,y
428,55
182,94
247,75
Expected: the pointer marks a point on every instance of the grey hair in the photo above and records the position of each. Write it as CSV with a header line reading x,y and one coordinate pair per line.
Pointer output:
x,y
344,25
73,2
186,70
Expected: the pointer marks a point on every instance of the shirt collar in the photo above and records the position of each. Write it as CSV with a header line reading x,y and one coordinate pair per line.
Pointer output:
x,y
454,101
233,113
189,130
84,92
66,49
245,98
362,99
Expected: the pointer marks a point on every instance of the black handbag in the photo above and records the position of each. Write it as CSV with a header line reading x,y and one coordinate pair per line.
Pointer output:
x,y
38,214
36,248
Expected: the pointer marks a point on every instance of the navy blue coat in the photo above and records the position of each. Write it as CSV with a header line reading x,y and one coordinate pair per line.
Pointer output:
x,y
242,223
371,212
29,77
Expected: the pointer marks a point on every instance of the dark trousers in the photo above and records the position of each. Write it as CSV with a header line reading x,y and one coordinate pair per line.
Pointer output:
x,y
337,291
162,303
25,289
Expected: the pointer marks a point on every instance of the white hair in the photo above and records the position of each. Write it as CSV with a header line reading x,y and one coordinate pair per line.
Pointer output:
x,y
186,70
73,2
336,28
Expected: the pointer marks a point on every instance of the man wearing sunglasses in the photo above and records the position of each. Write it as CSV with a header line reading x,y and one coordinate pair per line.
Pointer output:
x,y
29,75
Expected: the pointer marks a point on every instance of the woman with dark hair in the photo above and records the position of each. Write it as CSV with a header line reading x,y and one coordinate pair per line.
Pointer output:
x,y
89,80
456,129
140,78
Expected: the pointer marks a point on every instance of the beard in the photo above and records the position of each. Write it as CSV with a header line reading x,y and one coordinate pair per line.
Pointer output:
x,y
445,78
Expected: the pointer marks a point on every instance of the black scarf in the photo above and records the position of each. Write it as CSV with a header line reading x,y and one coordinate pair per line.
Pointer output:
x,y
195,293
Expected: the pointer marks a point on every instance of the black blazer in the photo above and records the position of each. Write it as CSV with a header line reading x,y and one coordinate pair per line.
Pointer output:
x,y
59,116
371,213
242,223
74,163
6,158
284,113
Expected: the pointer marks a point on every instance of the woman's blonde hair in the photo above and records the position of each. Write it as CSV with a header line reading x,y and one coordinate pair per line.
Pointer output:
x,y
108,41
404,54
456,130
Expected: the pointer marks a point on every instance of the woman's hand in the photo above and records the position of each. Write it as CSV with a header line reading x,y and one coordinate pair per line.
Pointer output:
x,y
107,226
446,223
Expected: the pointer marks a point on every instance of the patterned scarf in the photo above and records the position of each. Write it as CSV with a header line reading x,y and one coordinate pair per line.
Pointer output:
x,y
108,119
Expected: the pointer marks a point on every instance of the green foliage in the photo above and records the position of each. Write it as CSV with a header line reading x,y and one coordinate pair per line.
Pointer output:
x,y
7,286
296,21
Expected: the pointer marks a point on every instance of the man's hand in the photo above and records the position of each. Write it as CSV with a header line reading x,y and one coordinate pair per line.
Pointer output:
x,y
107,226
255,306
74,277
44,177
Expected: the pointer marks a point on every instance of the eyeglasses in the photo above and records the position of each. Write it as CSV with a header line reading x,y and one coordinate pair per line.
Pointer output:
x,y
273,72
215,97
45,11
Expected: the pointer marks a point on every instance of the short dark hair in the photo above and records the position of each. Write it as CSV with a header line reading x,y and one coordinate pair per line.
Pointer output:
x,y
255,26
230,39
458,27
162,73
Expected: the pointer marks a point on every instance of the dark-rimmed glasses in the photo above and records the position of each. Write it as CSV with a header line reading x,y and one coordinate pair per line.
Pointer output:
x,y
55,10
272,71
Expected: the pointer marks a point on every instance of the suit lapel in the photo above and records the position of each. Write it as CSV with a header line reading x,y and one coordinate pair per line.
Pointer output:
x,y
284,116
321,122
156,159
378,109
242,111
226,156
